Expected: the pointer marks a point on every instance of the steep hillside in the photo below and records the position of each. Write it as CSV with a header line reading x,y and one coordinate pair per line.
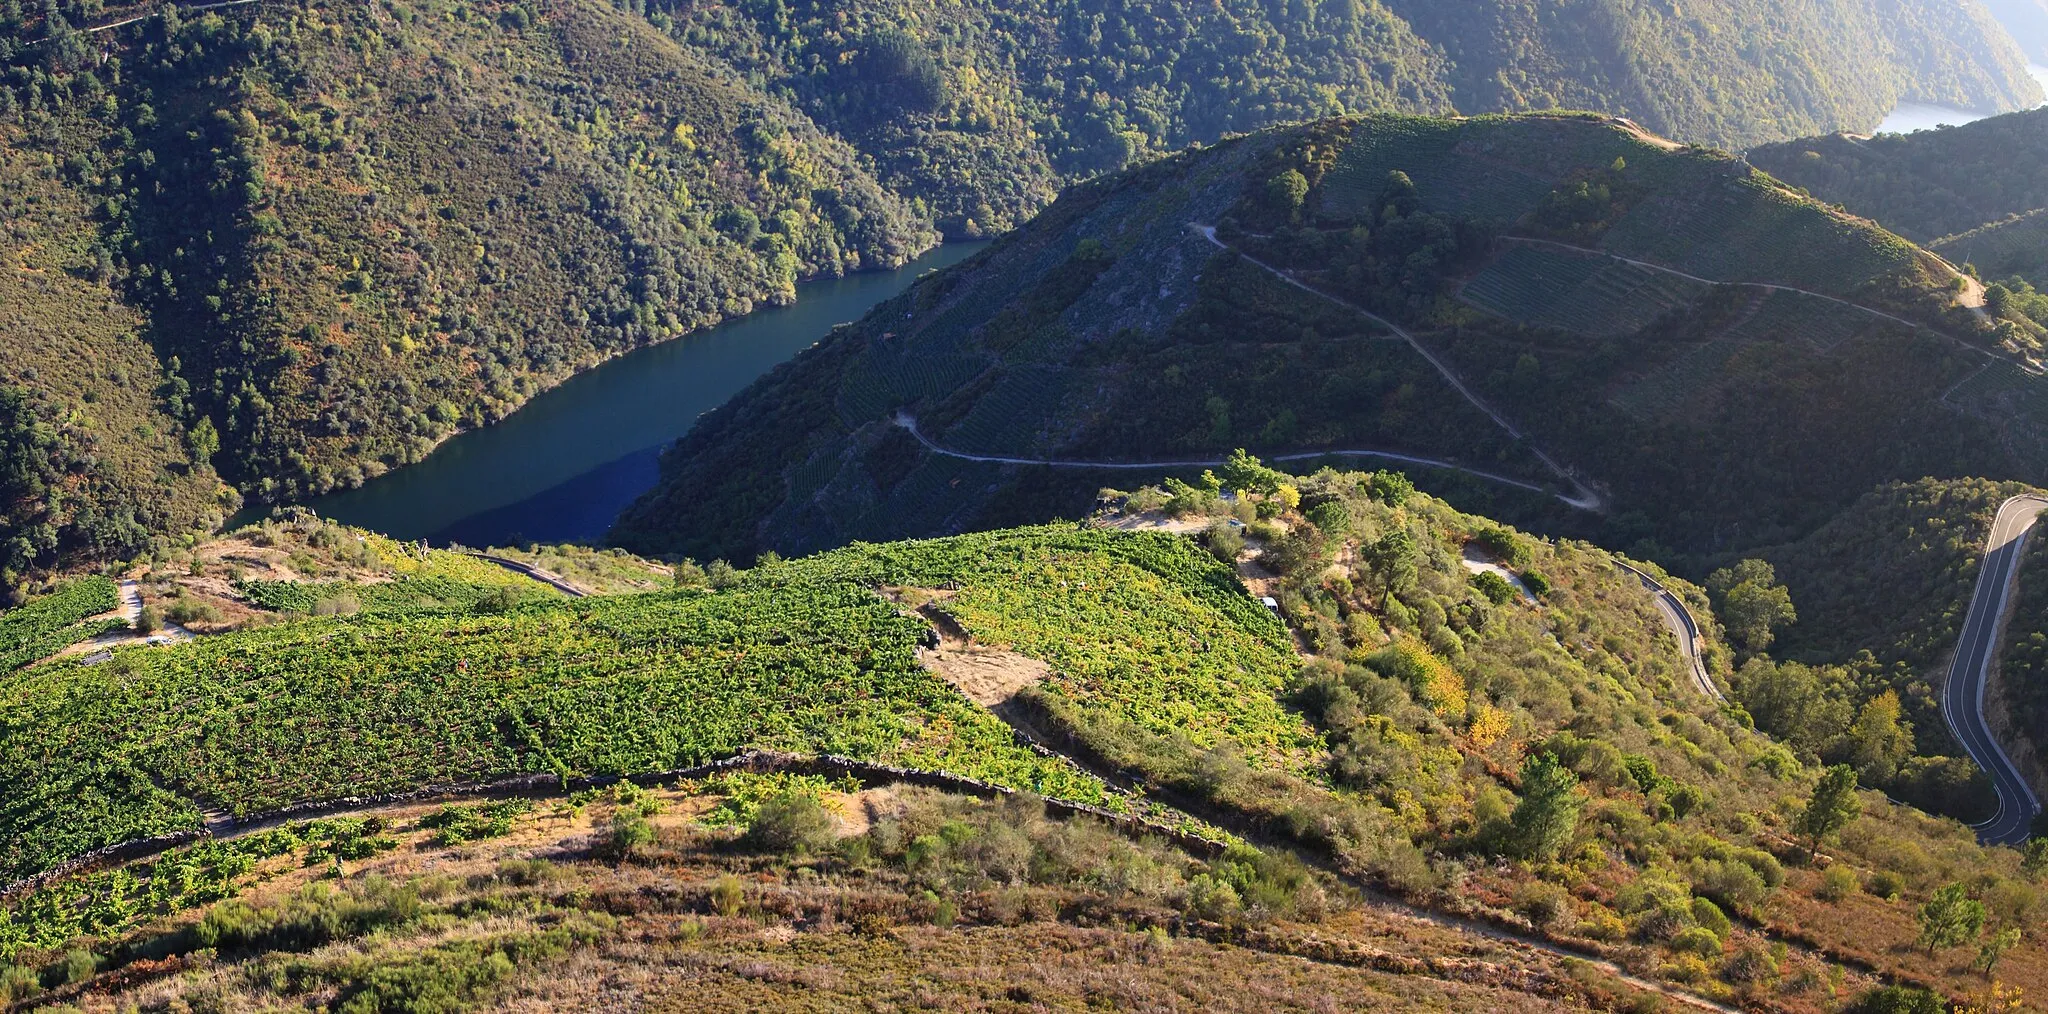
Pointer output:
x,y
1976,194
2027,21
982,109
1925,185
1550,275
1486,726
1727,72
302,241
306,242
97,452
774,892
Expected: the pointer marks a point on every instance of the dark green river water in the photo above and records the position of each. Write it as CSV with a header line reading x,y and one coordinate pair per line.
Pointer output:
x,y
562,467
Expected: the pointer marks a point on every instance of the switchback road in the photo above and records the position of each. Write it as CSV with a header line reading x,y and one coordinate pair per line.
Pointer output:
x,y
1583,496
1962,697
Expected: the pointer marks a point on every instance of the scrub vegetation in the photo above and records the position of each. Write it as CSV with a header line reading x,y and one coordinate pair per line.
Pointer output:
x,y
1540,761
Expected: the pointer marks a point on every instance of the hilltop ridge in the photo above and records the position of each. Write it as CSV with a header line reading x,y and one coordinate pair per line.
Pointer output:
x,y
1556,301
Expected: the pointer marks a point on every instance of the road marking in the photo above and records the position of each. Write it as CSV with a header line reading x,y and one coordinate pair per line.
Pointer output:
x,y
1962,694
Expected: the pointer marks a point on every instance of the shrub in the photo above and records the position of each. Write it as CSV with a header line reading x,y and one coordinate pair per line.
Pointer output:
x,y
1225,541
1602,924
792,821
728,895
1544,904
1211,899
1899,1000
1496,588
1711,918
628,834
184,609
1837,883
79,965
17,984
1750,966
1729,882
1697,940
1886,884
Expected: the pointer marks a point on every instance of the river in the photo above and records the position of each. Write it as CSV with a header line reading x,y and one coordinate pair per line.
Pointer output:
x,y
1912,116
563,466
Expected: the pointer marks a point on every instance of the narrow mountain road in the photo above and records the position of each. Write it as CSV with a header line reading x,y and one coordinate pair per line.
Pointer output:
x,y
908,422
1680,619
1962,697
1583,497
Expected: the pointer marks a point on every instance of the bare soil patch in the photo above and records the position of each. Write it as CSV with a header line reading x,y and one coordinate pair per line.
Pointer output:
x,y
988,678
988,675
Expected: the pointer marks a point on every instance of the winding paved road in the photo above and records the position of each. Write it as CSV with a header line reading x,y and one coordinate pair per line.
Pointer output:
x,y
1679,618
1962,696
908,422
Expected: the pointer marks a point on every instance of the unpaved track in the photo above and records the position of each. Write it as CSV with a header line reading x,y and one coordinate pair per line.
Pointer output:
x,y
546,577
908,422
1962,696
1583,496
1976,309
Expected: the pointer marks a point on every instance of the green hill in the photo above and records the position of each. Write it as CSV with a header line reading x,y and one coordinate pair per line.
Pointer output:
x,y
983,109
1708,72
1974,194
308,245
1557,266
1925,185
289,246
1540,762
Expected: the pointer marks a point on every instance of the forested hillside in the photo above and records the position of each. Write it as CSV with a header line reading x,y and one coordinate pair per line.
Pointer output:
x,y
1976,194
1727,72
1557,268
2027,22
305,244
1452,713
290,245
984,108
1925,185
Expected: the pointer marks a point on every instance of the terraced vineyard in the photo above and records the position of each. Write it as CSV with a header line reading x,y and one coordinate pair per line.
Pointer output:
x,y
1673,391
1589,295
56,621
1747,230
1007,420
431,594
2003,390
1793,316
801,656
1446,177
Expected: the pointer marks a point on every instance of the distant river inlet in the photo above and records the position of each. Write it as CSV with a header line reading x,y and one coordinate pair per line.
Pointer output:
x,y
564,465
1912,116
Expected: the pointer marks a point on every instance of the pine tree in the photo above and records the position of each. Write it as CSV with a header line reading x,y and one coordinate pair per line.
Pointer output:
x,y
1950,918
1548,815
1833,806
